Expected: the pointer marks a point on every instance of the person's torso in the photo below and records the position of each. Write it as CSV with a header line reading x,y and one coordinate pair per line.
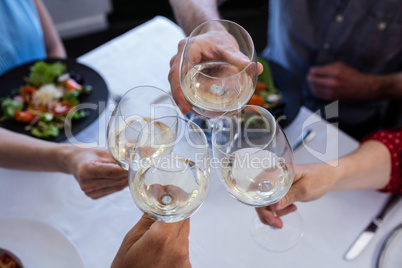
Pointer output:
x,y
365,34
21,34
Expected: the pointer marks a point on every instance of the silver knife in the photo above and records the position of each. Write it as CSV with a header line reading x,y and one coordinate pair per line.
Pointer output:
x,y
367,235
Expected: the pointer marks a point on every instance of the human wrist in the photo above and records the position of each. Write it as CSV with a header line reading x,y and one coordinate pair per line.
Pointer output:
x,y
375,85
387,86
189,14
64,155
339,172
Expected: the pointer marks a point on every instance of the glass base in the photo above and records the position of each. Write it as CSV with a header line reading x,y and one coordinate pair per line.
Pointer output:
x,y
275,239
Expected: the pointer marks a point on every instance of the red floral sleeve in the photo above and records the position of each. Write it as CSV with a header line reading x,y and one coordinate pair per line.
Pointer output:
x,y
392,138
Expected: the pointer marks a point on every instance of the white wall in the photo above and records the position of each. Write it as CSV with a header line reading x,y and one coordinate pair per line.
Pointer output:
x,y
78,17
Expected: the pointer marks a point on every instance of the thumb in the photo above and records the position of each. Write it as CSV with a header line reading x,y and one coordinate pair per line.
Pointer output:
x,y
138,230
260,68
294,192
287,200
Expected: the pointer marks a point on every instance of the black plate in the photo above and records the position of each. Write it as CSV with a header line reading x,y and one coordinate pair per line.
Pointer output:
x,y
291,87
14,79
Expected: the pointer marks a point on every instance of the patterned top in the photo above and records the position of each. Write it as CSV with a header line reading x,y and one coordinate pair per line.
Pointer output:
x,y
21,34
392,138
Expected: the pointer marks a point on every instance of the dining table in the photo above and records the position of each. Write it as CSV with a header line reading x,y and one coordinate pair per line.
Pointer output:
x,y
220,229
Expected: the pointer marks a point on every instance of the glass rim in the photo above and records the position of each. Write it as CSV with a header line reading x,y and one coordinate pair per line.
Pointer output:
x,y
185,54
118,107
177,119
259,148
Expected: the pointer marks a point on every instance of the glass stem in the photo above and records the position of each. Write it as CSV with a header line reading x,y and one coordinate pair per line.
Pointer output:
x,y
211,123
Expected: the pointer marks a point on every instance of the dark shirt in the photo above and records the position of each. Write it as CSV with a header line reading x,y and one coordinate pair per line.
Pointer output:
x,y
365,34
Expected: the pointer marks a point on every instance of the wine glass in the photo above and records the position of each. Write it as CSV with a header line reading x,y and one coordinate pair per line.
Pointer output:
x,y
257,168
218,69
169,181
136,108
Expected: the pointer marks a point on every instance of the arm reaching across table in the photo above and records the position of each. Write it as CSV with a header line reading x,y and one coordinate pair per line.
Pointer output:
x,y
376,164
94,169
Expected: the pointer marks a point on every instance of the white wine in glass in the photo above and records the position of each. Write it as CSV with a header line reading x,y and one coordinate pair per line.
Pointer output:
x,y
218,70
124,137
170,187
256,184
137,107
257,169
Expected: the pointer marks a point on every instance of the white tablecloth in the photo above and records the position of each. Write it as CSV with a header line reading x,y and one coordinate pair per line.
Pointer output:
x,y
220,229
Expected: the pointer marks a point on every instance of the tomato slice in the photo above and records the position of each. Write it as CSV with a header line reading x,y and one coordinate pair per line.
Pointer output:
x,y
27,92
260,86
25,117
256,100
71,84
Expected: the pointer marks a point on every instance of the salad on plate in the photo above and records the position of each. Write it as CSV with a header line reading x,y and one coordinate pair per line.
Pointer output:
x,y
266,94
43,103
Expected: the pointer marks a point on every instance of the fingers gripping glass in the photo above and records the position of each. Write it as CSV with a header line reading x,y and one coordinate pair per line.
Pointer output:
x,y
257,168
218,70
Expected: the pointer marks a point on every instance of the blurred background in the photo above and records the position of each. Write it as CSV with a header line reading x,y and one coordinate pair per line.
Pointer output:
x,y
87,24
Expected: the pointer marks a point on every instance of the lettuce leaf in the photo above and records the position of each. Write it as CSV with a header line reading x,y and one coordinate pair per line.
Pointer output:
x,y
266,76
45,130
44,73
72,97
9,107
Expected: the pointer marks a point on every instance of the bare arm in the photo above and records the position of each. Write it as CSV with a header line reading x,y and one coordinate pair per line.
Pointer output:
x,y
18,151
54,45
94,169
368,167
389,86
340,81
191,13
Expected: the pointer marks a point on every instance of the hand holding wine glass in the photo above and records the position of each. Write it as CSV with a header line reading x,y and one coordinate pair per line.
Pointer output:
x,y
95,170
311,182
155,244
257,168
215,69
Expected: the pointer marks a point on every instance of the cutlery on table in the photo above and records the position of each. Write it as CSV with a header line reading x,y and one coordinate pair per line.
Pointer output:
x,y
304,137
367,235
